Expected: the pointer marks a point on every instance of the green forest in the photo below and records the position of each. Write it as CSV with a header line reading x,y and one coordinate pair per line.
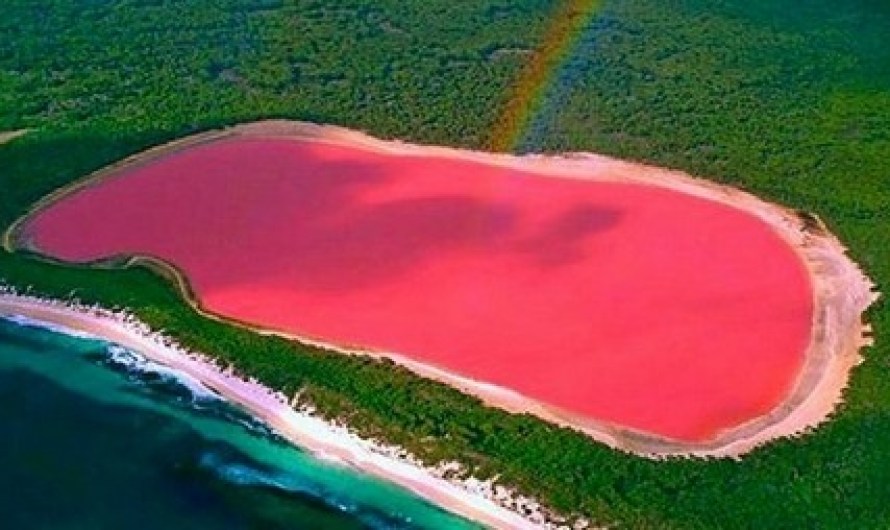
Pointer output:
x,y
786,99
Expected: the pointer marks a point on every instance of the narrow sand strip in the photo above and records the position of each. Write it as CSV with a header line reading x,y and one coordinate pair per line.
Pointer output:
x,y
842,292
472,499
9,136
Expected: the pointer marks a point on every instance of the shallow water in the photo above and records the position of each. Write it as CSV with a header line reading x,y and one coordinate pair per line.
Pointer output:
x,y
95,436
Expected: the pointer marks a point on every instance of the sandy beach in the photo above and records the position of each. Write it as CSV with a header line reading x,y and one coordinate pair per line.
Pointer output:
x,y
8,136
475,500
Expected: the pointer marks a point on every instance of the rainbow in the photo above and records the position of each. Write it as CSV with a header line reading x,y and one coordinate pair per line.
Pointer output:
x,y
567,26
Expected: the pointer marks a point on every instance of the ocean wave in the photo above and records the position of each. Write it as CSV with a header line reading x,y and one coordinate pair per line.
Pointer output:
x,y
139,365
157,377
125,359
188,390
55,328
161,382
247,475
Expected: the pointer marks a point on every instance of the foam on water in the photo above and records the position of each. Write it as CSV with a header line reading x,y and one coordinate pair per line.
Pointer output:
x,y
200,397
62,330
253,476
137,363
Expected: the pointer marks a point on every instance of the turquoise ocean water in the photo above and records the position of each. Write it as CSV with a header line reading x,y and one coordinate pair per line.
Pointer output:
x,y
93,437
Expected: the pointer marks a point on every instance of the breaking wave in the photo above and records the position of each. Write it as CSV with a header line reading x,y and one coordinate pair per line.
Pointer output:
x,y
164,382
152,372
61,330
231,470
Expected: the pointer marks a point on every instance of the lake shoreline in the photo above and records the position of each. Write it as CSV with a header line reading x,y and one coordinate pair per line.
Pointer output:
x,y
842,292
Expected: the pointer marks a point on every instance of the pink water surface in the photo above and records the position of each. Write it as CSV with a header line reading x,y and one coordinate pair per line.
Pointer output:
x,y
633,305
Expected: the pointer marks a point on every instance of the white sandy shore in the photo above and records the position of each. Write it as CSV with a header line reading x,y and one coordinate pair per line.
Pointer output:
x,y
9,136
480,501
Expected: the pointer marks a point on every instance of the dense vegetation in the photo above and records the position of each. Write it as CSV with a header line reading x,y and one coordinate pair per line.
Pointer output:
x,y
790,100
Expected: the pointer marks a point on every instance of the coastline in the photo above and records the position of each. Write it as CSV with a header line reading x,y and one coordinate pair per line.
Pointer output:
x,y
841,291
479,501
